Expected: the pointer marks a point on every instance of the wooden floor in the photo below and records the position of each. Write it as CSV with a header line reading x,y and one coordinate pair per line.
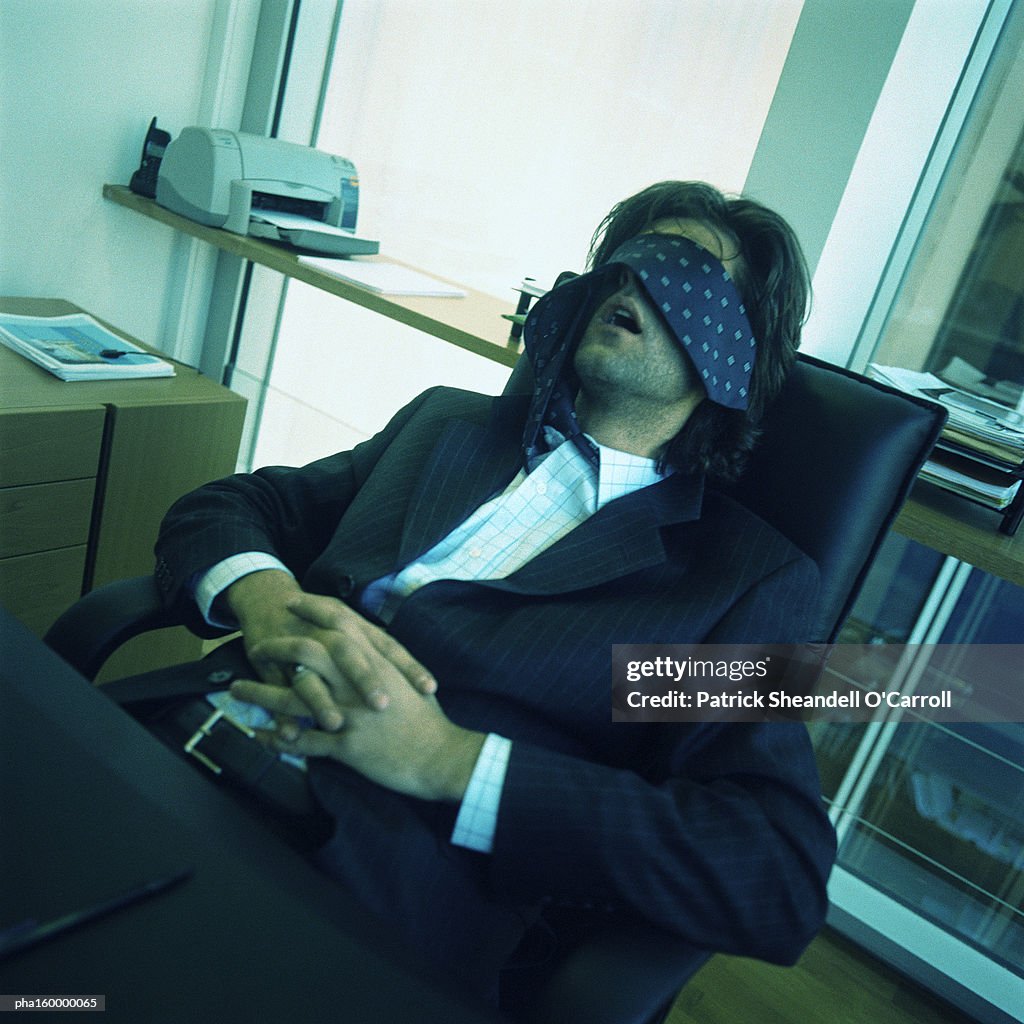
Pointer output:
x,y
834,983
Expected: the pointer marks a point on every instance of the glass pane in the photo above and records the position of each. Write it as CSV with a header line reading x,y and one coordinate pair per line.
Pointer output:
x,y
983,324
890,602
942,831
957,323
991,611
886,611
525,121
960,311
939,822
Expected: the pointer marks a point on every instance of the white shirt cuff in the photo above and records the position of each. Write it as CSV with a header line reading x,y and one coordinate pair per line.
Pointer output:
x,y
478,814
212,583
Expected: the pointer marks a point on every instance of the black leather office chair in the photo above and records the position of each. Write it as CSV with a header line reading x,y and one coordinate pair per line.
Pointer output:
x,y
838,456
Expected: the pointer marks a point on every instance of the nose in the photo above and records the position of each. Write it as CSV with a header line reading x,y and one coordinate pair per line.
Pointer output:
x,y
625,281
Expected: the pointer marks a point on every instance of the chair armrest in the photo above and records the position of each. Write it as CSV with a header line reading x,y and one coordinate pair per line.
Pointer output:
x,y
105,618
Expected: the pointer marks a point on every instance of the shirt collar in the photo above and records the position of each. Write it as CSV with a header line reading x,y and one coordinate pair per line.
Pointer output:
x,y
618,472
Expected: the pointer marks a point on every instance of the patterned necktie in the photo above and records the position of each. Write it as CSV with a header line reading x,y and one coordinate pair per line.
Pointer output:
x,y
696,298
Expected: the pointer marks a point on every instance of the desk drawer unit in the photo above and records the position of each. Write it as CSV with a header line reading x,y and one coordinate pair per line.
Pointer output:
x,y
87,471
49,461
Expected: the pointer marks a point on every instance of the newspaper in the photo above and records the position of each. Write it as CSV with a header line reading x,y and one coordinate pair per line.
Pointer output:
x,y
976,425
77,347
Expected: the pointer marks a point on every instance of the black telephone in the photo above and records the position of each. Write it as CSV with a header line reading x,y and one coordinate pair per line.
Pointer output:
x,y
144,179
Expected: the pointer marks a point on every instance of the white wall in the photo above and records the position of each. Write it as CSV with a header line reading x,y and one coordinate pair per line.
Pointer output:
x,y
79,82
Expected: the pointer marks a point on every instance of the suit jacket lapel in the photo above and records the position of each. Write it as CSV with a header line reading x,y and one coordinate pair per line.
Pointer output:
x,y
472,461
469,464
622,537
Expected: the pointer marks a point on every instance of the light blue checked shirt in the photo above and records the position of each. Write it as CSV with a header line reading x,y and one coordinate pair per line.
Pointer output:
x,y
538,508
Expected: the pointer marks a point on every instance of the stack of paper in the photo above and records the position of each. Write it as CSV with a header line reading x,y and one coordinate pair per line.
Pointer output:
x,y
980,454
977,425
384,278
971,479
309,235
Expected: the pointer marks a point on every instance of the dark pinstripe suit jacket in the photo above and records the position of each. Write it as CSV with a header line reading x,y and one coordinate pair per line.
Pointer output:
x,y
713,831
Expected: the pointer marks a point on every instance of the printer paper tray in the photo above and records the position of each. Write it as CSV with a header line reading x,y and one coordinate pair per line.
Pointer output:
x,y
308,235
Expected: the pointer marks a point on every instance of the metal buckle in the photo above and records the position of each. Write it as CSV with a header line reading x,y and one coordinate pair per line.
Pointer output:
x,y
192,747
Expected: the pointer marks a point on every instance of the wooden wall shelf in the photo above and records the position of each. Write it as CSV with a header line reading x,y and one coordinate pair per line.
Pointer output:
x,y
474,323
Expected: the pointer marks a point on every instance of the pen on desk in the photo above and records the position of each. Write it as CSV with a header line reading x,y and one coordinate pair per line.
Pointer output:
x,y
114,353
29,933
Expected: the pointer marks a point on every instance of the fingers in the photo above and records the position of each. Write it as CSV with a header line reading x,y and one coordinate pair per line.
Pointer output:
x,y
344,668
317,696
300,680
271,672
364,640
293,712
306,743
345,661
279,700
419,677
413,749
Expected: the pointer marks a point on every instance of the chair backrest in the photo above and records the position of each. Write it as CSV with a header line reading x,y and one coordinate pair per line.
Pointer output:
x,y
838,455
836,461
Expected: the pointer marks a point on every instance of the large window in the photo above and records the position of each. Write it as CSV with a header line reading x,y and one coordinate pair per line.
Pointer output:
x,y
960,310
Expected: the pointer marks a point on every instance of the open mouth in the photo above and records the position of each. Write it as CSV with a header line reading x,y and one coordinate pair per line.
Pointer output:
x,y
620,316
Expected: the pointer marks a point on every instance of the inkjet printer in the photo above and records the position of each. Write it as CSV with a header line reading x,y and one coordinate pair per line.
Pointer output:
x,y
264,187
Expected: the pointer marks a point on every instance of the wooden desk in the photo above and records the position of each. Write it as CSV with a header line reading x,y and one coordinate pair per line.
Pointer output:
x,y
939,520
87,471
957,527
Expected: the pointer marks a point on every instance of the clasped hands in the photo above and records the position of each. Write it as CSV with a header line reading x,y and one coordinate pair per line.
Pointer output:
x,y
365,700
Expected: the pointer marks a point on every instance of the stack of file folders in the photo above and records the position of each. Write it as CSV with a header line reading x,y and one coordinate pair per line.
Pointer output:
x,y
980,454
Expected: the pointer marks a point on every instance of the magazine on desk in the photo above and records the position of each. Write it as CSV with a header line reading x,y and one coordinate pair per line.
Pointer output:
x,y
980,454
77,347
976,424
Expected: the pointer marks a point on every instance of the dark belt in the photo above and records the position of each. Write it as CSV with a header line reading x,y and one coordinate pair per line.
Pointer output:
x,y
170,703
277,790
